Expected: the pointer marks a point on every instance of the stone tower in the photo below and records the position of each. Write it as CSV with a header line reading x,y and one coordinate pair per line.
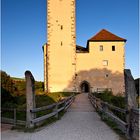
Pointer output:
x,y
60,51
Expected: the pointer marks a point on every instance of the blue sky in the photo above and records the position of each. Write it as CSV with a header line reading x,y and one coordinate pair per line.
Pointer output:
x,y
24,31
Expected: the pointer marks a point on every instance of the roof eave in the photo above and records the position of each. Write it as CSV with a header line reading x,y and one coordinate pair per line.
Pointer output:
x,y
107,40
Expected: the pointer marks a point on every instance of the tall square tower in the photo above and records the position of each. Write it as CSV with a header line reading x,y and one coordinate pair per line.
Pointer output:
x,y
60,50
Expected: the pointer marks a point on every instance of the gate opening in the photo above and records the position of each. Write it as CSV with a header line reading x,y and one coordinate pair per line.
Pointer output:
x,y
85,87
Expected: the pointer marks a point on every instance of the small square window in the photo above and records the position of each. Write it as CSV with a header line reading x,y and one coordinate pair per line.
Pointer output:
x,y
101,47
113,48
105,62
106,75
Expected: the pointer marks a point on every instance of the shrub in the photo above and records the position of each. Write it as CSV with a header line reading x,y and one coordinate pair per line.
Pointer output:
x,y
7,100
107,96
7,83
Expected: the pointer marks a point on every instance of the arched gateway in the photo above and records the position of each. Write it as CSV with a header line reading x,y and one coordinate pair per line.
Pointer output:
x,y
85,87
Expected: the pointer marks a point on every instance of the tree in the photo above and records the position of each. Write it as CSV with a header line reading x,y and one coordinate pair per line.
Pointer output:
x,y
6,82
7,89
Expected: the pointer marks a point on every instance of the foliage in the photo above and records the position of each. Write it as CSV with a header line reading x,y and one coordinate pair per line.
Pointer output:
x,y
7,89
39,87
7,83
12,91
56,96
43,100
107,96
17,79
20,88
13,96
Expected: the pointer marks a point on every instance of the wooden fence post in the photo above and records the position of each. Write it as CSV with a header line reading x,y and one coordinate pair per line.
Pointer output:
x,y
30,98
130,91
105,110
55,110
15,117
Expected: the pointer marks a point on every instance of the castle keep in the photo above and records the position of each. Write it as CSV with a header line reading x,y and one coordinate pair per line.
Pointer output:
x,y
69,67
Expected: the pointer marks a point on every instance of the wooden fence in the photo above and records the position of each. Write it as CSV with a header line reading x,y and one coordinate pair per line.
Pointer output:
x,y
107,110
99,90
9,115
129,126
56,107
32,114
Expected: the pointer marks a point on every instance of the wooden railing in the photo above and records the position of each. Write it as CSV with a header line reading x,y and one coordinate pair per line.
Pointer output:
x,y
56,107
107,111
127,122
10,116
100,90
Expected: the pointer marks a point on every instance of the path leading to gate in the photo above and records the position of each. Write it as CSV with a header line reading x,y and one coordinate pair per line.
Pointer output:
x,y
81,122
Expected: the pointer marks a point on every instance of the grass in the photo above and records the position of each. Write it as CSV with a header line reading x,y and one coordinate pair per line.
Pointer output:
x,y
19,102
107,96
18,79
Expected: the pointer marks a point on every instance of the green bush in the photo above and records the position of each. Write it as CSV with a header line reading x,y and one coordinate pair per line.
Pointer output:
x,y
7,100
43,100
107,96
118,101
7,83
56,96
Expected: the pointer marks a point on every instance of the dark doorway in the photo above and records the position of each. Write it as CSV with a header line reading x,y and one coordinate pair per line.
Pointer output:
x,y
85,87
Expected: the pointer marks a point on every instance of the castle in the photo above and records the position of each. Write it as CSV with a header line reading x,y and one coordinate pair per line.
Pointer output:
x,y
72,68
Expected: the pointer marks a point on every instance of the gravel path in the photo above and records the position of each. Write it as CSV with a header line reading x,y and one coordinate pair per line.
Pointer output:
x,y
81,122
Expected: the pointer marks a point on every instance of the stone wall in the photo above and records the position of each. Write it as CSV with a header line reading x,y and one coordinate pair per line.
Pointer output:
x,y
134,130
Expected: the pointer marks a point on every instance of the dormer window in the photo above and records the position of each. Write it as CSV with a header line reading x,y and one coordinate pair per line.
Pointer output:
x,y
101,47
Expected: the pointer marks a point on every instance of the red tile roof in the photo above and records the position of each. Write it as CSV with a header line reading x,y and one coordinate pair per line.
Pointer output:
x,y
105,35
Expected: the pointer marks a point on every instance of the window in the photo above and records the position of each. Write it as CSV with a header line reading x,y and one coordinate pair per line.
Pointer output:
x,y
101,47
113,48
61,27
106,75
105,62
